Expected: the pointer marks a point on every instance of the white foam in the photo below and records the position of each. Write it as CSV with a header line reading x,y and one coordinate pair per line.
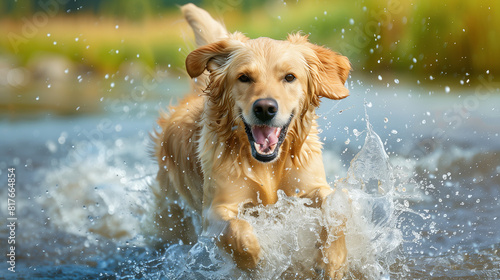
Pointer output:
x,y
287,232
95,190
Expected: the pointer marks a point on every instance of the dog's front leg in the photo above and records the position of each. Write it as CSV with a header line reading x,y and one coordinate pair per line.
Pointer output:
x,y
238,238
334,253
333,247
240,241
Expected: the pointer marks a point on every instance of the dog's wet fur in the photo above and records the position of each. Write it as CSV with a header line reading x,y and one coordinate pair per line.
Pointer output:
x,y
247,129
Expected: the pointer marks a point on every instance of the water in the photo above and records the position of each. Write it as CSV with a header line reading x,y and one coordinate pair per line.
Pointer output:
x,y
419,170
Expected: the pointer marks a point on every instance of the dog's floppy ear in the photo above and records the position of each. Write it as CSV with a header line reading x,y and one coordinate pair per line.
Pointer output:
x,y
332,72
208,57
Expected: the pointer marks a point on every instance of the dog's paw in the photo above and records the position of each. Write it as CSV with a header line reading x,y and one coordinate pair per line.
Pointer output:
x,y
240,241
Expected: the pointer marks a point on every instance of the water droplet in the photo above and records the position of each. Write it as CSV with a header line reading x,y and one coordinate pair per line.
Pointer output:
x,y
356,132
396,81
386,120
51,146
117,26
37,98
447,89
351,21
379,77
112,85
48,34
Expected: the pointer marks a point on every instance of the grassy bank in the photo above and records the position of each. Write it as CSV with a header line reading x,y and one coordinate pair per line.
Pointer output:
x,y
99,43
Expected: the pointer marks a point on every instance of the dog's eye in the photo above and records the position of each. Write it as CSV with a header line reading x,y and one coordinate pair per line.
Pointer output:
x,y
289,78
244,78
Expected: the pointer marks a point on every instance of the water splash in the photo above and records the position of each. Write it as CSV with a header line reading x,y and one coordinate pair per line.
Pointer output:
x,y
288,231
372,233
371,168
365,199
94,191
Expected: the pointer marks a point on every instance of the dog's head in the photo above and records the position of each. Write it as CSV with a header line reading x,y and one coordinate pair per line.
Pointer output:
x,y
268,84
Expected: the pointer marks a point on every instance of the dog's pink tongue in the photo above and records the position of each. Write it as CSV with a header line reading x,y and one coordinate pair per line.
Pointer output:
x,y
265,136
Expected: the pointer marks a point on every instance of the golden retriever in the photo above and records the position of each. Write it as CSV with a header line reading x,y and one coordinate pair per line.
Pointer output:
x,y
247,130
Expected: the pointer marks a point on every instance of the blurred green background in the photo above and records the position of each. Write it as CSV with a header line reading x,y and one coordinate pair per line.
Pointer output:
x,y
64,55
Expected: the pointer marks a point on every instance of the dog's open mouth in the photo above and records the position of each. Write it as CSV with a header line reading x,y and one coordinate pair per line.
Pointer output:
x,y
265,141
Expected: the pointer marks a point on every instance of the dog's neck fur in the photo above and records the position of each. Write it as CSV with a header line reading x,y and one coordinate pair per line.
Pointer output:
x,y
233,144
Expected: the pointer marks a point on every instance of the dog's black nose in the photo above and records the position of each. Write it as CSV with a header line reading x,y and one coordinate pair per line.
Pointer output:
x,y
265,109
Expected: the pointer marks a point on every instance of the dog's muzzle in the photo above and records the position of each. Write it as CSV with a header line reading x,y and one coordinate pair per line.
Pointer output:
x,y
265,139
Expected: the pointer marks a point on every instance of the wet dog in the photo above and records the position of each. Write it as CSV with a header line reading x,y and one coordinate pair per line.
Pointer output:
x,y
247,130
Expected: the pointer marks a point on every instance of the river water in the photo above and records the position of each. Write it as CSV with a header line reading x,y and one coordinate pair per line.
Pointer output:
x,y
419,165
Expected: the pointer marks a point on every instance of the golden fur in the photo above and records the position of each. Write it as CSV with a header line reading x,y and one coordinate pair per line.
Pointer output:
x,y
204,152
